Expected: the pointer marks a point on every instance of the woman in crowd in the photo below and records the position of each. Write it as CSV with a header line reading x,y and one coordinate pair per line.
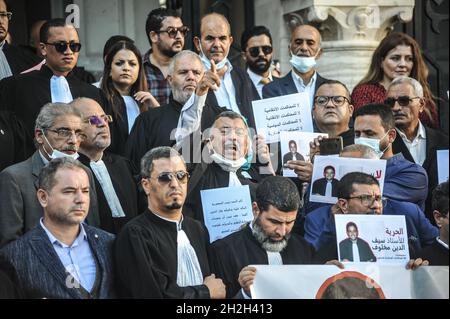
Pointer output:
x,y
397,55
125,87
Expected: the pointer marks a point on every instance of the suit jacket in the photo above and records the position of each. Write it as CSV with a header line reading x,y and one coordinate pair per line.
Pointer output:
x,y
320,186
244,95
435,140
288,157
285,86
41,273
365,252
20,210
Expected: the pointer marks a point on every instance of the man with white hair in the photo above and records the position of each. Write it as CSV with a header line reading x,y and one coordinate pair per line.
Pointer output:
x,y
416,142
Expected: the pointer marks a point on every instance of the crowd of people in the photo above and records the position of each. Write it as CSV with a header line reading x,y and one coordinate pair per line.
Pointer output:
x,y
100,184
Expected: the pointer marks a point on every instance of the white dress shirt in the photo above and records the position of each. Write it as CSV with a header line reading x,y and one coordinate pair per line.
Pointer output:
x,y
256,79
309,88
418,146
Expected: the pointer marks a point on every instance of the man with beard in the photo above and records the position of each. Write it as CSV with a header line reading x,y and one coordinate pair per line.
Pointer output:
x,y
161,253
57,134
417,143
234,91
63,258
156,127
268,240
114,183
166,34
257,52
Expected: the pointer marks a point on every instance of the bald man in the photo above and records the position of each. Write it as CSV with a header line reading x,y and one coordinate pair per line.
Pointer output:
x,y
117,193
304,49
235,91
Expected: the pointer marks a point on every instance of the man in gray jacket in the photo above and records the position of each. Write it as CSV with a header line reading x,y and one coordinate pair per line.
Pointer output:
x,y
57,134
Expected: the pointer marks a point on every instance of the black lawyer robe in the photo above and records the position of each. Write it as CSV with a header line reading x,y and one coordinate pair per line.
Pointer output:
x,y
240,249
146,258
19,59
25,94
436,254
120,171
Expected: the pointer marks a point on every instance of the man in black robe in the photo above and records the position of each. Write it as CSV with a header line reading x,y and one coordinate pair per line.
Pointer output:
x,y
25,94
161,253
157,126
116,188
268,240
13,59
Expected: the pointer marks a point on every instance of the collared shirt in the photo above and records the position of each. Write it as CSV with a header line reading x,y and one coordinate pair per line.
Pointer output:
x,y
309,88
157,84
441,242
226,94
418,146
77,259
189,272
256,79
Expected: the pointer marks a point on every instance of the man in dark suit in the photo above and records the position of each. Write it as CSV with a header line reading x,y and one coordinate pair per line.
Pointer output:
x,y
354,248
235,90
25,94
293,155
62,258
58,133
328,185
416,142
305,49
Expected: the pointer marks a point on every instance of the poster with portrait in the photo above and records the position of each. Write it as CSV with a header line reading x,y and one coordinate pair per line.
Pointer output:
x,y
355,281
372,238
295,146
284,113
328,170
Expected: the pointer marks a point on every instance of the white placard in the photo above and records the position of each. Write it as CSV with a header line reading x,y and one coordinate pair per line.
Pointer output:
x,y
302,140
372,238
442,164
324,190
225,210
356,281
284,113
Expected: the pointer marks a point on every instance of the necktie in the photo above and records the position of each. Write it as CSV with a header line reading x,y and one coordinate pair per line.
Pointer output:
x,y
104,179
265,81
5,70
60,90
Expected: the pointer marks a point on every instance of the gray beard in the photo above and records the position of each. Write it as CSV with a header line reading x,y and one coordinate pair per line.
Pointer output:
x,y
265,241
180,96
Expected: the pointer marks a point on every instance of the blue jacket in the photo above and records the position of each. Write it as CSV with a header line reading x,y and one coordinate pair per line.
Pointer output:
x,y
40,271
320,228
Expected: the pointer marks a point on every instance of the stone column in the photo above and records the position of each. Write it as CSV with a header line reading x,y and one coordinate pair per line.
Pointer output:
x,y
351,30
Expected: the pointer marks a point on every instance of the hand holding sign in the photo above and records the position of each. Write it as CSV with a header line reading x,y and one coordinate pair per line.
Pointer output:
x,y
210,80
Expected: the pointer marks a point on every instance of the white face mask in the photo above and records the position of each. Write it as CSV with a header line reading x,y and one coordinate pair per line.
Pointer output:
x,y
227,164
207,62
303,64
373,143
56,153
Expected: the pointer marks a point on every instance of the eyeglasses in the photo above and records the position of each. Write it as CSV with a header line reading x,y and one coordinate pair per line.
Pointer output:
x,y
368,200
61,46
254,51
97,120
337,100
166,177
172,32
7,15
402,100
64,133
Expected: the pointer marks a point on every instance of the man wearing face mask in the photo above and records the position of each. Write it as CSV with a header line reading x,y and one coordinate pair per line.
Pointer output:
x,y
404,180
224,161
305,49
57,134
234,91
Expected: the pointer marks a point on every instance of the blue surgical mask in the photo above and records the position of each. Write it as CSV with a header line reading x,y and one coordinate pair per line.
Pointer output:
x,y
373,143
56,153
207,62
303,64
